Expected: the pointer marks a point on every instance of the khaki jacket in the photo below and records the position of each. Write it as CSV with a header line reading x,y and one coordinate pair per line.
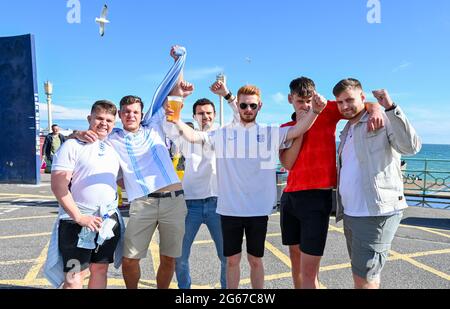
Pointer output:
x,y
379,155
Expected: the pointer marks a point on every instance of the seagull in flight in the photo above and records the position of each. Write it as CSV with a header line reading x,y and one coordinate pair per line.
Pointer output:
x,y
102,20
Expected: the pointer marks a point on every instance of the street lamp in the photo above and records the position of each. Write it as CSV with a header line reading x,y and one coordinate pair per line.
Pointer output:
x,y
48,87
221,77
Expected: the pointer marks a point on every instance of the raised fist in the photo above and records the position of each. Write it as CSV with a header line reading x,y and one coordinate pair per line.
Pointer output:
x,y
174,52
318,103
219,88
383,98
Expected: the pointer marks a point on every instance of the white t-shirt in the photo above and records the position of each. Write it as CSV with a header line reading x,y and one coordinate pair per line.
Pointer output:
x,y
200,178
148,167
94,170
351,180
246,160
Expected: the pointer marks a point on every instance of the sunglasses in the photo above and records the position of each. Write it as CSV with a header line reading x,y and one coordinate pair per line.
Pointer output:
x,y
244,106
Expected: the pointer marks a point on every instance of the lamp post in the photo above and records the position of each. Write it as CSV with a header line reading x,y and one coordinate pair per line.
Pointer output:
x,y
48,87
221,77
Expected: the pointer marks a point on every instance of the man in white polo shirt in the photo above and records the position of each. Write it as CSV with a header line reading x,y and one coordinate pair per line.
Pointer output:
x,y
88,207
246,160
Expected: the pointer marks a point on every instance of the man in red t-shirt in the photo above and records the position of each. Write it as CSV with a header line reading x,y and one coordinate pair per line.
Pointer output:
x,y
307,199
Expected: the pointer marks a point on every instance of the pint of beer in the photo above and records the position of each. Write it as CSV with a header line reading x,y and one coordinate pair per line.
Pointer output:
x,y
175,104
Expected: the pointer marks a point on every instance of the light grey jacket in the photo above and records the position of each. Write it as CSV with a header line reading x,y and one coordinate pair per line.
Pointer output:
x,y
379,155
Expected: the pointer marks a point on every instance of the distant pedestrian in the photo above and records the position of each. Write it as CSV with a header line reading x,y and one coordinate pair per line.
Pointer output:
x,y
52,142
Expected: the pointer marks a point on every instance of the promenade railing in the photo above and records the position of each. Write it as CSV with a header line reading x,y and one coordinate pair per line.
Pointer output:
x,y
427,182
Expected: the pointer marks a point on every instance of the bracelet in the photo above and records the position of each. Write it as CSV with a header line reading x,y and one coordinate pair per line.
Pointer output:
x,y
231,99
228,96
394,106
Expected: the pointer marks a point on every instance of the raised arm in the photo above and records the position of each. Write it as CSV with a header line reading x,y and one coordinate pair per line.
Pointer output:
x,y
376,118
189,134
306,122
60,188
220,89
289,156
167,86
402,136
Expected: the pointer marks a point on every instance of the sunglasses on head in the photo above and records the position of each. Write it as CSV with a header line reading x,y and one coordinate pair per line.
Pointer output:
x,y
244,106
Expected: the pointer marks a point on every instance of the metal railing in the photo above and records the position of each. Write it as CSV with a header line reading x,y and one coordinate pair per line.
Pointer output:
x,y
427,182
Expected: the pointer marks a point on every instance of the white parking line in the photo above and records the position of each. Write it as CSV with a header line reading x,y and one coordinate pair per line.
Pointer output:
x,y
7,210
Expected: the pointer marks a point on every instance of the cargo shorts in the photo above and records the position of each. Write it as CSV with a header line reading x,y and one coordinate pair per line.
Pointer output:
x,y
368,242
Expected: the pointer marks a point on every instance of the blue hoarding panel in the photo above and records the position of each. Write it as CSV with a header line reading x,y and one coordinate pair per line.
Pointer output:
x,y
19,112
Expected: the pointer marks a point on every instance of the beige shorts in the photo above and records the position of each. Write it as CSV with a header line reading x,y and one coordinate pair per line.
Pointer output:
x,y
147,214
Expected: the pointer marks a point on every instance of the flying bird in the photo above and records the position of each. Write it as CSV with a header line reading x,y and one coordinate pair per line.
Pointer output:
x,y
249,60
102,20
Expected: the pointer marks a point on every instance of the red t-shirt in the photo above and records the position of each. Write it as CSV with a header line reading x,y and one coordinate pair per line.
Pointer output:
x,y
315,167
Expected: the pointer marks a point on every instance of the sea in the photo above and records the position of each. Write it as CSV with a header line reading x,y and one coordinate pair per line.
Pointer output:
x,y
429,151
432,157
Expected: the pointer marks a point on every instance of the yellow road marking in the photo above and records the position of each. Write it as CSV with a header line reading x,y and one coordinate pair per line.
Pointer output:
x,y
267,278
335,229
154,249
284,258
146,283
34,271
421,265
408,258
335,267
27,218
203,242
426,253
279,254
273,235
425,230
52,197
25,236
441,230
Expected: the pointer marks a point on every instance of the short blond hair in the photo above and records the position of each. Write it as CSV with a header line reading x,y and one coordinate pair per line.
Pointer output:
x,y
250,90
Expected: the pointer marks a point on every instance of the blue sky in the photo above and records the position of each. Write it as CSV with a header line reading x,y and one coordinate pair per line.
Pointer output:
x,y
408,53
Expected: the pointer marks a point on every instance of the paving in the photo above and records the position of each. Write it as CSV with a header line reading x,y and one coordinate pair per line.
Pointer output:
x,y
419,259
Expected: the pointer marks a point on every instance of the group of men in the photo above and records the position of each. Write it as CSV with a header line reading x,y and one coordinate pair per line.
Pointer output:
x,y
229,184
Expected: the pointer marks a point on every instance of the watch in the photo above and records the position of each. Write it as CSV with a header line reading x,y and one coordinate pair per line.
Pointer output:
x,y
394,106
228,96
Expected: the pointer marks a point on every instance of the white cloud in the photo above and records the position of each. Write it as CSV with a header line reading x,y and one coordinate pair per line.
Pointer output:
x,y
63,113
403,66
279,98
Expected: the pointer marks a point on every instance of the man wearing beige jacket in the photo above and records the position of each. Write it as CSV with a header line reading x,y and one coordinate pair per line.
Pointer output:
x,y
370,195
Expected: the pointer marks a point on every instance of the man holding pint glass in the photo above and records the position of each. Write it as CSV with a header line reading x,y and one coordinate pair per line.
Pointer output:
x,y
152,186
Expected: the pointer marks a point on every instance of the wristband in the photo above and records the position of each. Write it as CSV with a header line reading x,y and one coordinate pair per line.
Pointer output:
x,y
228,96
394,106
